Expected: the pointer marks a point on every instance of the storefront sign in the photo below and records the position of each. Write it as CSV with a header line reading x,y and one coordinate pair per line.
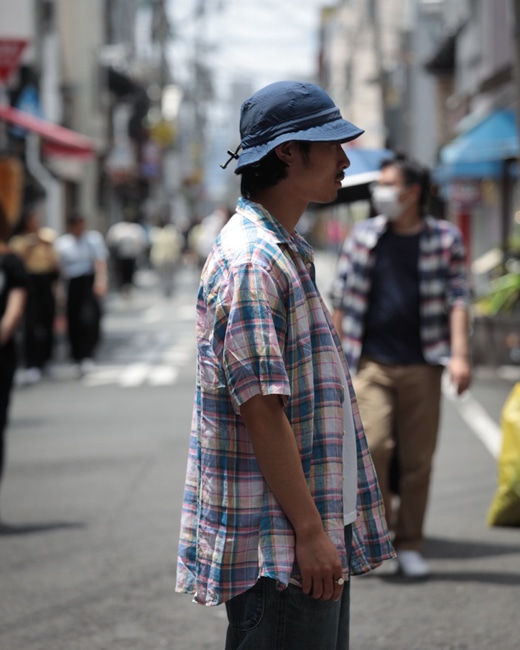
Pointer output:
x,y
11,50
466,192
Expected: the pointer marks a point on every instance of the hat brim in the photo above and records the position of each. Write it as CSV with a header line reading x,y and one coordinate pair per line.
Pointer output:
x,y
336,131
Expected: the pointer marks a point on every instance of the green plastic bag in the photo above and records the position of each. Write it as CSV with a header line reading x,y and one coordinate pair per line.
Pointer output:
x,y
505,508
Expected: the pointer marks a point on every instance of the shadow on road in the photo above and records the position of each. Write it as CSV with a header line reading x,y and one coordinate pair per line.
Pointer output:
x,y
486,577
463,549
32,529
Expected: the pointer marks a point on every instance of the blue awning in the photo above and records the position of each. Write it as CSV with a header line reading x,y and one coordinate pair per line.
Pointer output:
x,y
364,164
482,150
364,169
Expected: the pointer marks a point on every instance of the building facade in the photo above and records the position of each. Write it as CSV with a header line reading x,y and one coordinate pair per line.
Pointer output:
x,y
417,74
99,69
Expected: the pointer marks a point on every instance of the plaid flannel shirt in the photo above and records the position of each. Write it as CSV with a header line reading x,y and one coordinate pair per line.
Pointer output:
x,y
442,284
262,328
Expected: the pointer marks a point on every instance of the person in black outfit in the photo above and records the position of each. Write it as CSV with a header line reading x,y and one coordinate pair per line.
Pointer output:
x,y
34,244
13,291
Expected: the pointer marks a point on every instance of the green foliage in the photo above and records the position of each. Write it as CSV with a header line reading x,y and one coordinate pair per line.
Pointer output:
x,y
503,296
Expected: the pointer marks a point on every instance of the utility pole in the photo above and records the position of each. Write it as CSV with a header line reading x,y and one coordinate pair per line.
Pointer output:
x,y
382,74
161,36
201,92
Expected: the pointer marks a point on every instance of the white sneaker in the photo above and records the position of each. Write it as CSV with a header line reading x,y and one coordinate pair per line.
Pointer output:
x,y
32,375
48,369
412,564
86,366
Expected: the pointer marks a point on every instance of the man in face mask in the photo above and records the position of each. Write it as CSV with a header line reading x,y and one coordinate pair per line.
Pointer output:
x,y
401,301
392,197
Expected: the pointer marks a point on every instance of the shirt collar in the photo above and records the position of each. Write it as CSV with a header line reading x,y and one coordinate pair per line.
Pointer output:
x,y
257,213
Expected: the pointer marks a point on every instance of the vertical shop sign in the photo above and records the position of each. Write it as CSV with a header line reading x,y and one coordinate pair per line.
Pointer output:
x,y
11,50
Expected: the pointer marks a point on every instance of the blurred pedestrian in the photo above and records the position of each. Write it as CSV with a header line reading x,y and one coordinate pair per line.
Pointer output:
x,y
35,245
82,257
165,253
203,235
126,241
401,304
13,292
280,486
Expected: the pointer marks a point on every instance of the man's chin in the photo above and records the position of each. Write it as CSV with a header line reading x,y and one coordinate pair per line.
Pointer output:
x,y
329,198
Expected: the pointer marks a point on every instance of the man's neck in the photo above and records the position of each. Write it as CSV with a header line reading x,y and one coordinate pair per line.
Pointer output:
x,y
282,205
410,222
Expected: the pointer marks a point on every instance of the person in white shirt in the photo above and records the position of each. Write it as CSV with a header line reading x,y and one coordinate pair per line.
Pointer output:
x,y
127,241
165,253
82,257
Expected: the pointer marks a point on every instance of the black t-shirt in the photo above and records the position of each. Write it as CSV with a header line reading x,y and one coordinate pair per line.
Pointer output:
x,y
12,276
392,323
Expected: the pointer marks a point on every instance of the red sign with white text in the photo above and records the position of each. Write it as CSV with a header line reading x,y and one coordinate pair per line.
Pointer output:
x,y
11,50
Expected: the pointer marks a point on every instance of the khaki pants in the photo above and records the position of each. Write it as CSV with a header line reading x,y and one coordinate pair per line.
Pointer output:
x,y
400,407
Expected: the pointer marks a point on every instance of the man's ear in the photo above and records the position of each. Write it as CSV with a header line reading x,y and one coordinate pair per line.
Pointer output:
x,y
285,152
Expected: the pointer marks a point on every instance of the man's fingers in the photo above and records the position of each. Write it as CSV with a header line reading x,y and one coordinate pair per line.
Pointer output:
x,y
317,589
338,588
306,584
327,588
323,587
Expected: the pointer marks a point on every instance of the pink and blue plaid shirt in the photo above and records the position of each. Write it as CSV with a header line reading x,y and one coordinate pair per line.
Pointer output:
x,y
443,283
262,328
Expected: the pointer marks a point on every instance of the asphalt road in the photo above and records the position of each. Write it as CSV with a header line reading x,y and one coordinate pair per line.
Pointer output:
x,y
91,505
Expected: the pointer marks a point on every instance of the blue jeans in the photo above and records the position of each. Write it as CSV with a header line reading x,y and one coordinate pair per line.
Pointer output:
x,y
264,618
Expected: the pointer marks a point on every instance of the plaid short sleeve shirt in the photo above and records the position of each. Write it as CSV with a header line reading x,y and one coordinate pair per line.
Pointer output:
x,y
443,283
262,328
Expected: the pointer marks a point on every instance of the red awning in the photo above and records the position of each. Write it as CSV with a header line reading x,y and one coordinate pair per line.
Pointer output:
x,y
67,141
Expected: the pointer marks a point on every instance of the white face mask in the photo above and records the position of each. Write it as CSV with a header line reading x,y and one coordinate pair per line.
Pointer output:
x,y
386,201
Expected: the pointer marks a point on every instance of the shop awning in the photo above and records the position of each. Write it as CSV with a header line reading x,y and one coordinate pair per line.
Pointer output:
x,y
364,165
481,151
365,160
364,170
60,139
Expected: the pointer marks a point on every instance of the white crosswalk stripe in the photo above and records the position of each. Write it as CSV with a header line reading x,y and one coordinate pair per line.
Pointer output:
x,y
162,375
157,366
146,347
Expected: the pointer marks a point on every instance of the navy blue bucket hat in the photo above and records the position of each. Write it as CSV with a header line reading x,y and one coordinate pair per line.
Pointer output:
x,y
289,110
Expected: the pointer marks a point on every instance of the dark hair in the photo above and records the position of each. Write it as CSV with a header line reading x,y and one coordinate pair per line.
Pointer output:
x,y
73,218
413,174
27,211
267,172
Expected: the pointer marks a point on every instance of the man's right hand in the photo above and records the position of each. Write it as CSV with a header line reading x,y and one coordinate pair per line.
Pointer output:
x,y
320,565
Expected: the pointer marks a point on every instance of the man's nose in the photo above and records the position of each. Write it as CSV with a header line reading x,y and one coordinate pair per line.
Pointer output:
x,y
345,159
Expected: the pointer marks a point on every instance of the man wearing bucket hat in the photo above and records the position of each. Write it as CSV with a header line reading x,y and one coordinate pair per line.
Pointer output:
x,y
281,501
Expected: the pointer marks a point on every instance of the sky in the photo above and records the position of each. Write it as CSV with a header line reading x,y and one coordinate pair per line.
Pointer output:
x,y
252,41
256,40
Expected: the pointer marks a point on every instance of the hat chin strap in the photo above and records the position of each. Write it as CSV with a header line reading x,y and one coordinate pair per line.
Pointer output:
x,y
233,155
